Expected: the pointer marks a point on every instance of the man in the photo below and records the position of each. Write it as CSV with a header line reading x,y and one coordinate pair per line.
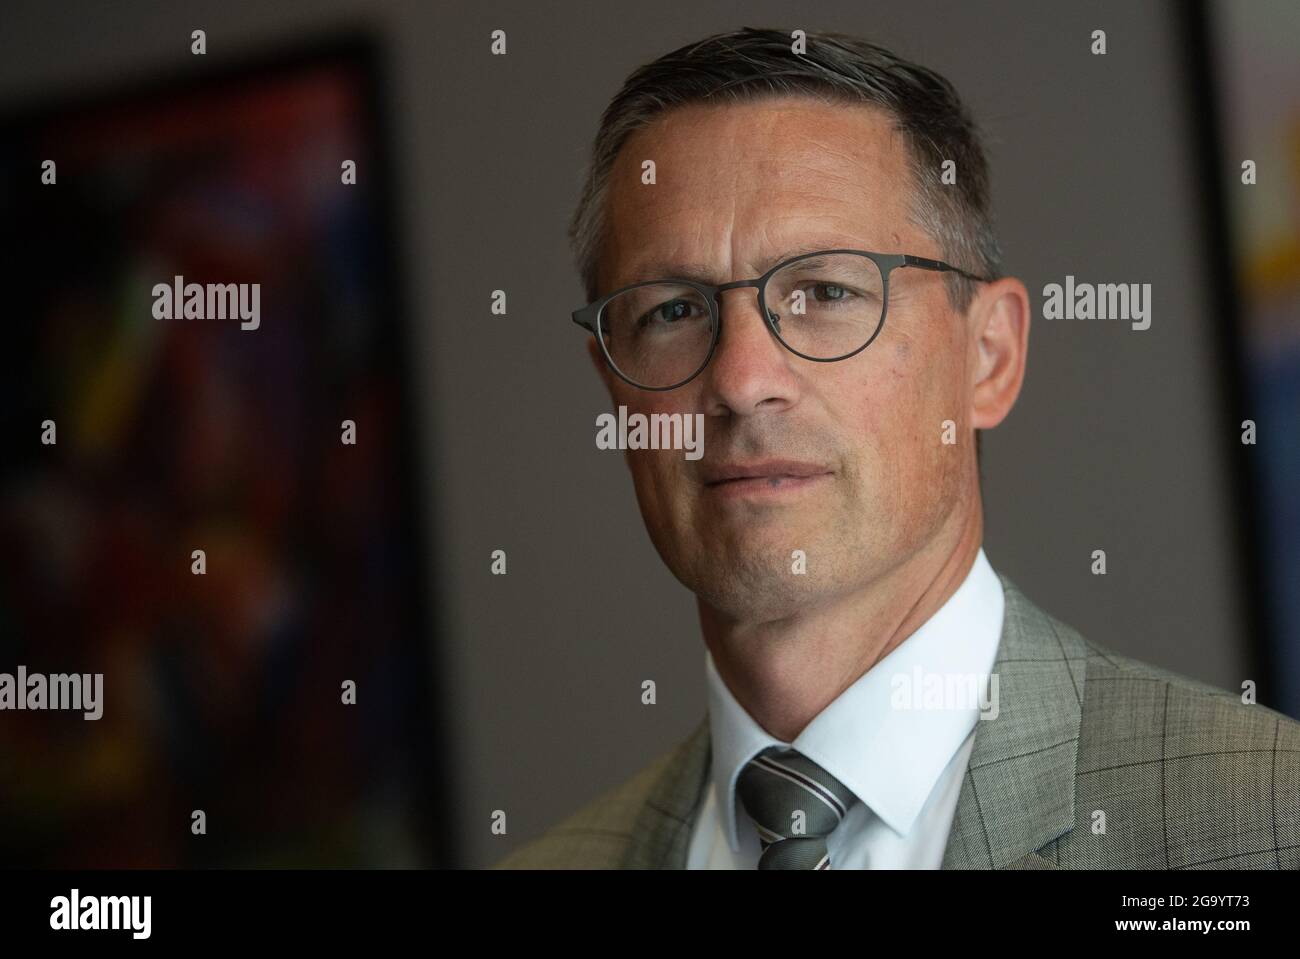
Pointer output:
x,y
797,245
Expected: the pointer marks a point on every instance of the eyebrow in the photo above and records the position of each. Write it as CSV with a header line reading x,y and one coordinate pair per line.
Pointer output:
x,y
702,272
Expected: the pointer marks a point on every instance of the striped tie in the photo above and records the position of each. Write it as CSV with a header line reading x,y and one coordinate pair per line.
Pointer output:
x,y
795,804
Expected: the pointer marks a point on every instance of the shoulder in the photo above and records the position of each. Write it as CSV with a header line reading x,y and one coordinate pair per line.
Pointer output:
x,y
1127,698
1137,711
1184,774
597,836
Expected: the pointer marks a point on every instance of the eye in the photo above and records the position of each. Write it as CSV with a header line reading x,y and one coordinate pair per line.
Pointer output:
x,y
831,290
667,312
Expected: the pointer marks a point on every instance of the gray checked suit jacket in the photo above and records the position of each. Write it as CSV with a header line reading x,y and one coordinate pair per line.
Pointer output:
x,y
1186,775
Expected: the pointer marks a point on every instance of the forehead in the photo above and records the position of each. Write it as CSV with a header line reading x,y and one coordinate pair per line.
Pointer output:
x,y
741,184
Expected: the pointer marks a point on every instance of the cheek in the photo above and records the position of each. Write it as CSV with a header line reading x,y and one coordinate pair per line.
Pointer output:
x,y
657,475
891,412
924,375
881,400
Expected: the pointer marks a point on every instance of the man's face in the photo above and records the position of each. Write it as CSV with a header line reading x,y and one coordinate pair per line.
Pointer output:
x,y
740,187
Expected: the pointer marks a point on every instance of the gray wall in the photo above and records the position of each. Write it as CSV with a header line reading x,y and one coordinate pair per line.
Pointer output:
x,y
1111,445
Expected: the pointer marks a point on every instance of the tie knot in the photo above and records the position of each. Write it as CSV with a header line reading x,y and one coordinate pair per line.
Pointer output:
x,y
794,804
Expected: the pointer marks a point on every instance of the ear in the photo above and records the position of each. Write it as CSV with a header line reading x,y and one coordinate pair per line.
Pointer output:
x,y
999,319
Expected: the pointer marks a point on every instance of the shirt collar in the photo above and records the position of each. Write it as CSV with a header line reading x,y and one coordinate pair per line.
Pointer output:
x,y
889,755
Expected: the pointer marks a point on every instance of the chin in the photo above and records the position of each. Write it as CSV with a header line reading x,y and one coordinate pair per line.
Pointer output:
x,y
748,591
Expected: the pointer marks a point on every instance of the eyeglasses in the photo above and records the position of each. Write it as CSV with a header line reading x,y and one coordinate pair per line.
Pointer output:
x,y
824,306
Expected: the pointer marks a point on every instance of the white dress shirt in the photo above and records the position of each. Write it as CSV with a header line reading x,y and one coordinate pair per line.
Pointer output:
x,y
906,765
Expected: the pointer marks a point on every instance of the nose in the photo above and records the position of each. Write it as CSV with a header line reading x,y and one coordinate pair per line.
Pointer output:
x,y
750,371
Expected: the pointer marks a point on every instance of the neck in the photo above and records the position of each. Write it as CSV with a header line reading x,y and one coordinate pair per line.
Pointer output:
x,y
785,671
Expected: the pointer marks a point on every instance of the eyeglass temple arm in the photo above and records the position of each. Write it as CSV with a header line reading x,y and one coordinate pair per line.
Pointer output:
x,y
938,266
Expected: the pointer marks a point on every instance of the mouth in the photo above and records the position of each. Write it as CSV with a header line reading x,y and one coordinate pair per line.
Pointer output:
x,y
763,478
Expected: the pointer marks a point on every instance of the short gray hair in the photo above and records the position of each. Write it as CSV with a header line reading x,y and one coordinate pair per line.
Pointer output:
x,y
750,63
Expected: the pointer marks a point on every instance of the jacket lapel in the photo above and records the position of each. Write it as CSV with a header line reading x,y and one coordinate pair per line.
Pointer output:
x,y
1018,792
661,837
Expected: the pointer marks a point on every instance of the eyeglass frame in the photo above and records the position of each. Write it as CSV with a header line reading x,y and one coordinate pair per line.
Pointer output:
x,y
588,317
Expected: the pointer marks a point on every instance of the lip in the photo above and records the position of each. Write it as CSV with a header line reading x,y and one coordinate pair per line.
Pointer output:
x,y
763,479
725,474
